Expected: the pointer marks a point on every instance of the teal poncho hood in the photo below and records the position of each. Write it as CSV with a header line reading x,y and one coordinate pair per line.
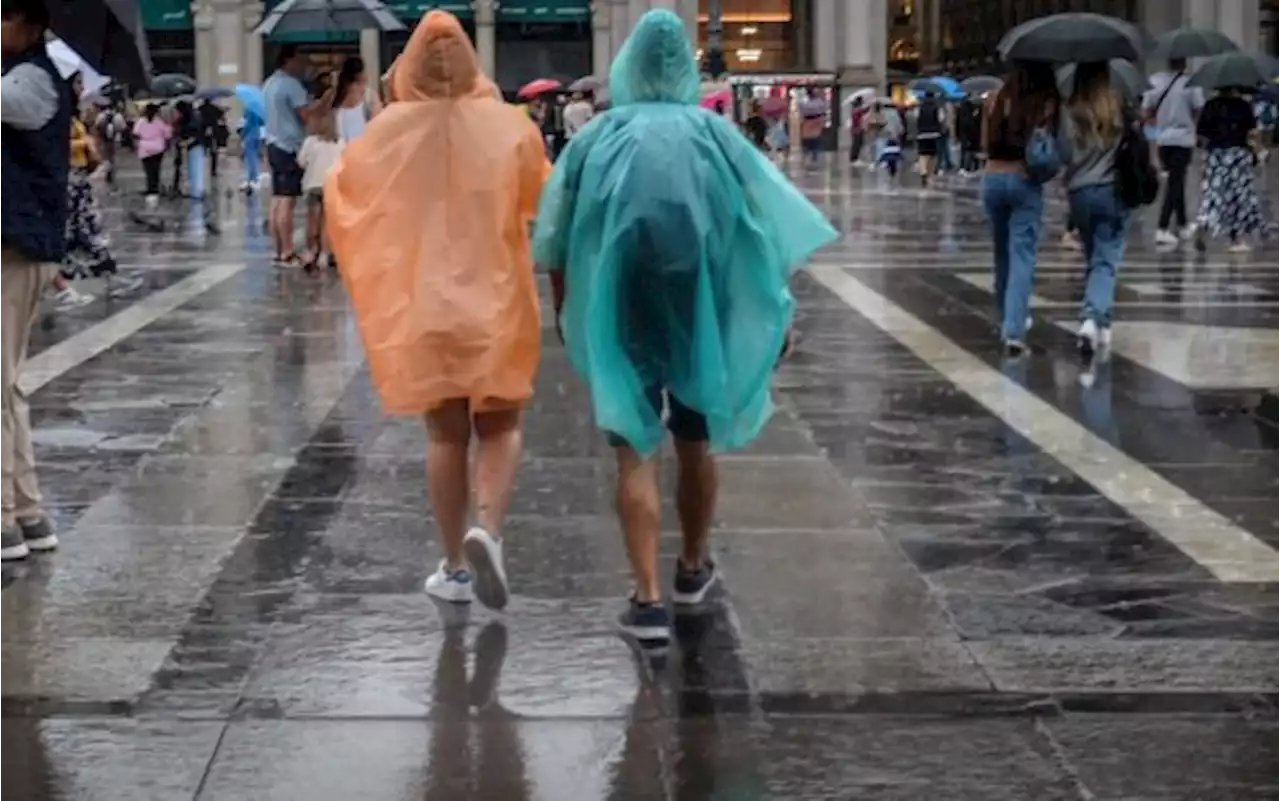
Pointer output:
x,y
655,64
676,237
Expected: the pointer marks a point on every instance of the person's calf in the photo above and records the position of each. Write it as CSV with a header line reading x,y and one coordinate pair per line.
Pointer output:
x,y
697,484
639,513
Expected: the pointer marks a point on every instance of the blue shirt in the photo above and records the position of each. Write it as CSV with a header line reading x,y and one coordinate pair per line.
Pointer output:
x,y
283,95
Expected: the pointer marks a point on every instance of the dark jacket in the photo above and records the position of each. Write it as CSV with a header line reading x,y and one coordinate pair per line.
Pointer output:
x,y
33,217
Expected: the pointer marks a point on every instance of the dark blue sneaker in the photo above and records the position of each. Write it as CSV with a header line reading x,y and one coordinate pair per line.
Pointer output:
x,y
693,584
646,623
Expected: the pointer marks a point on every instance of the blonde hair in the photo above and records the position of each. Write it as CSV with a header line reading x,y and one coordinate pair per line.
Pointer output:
x,y
324,124
1096,108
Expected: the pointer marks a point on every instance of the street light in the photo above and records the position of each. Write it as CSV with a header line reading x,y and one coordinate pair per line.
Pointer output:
x,y
714,61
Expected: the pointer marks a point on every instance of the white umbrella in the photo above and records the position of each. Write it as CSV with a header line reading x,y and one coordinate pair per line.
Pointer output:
x,y
69,62
867,95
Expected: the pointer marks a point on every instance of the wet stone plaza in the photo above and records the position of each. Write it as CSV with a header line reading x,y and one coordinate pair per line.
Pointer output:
x,y
948,576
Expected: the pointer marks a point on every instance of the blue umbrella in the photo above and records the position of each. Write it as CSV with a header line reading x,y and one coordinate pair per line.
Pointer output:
x,y
251,97
215,93
938,85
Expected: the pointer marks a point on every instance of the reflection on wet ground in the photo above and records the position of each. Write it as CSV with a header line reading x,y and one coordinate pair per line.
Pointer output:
x,y
947,576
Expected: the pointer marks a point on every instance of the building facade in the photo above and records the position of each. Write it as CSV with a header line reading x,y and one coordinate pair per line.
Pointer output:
x,y
860,42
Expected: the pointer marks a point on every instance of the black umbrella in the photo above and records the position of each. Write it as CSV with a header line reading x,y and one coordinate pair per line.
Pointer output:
x,y
328,15
1072,37
1191,43
106,33
172,84
1242,70
981,84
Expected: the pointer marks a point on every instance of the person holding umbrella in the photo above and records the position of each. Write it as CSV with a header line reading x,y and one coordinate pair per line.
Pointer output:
x,y
35,122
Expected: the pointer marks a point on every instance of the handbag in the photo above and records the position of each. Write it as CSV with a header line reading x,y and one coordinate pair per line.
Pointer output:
x,y
1043,159
1137,183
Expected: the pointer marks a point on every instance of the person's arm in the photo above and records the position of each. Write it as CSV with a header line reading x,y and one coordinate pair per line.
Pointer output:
x,y
28,98
307,109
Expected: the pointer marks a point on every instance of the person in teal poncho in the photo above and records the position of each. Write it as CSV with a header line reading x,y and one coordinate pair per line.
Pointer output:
x,y
670,239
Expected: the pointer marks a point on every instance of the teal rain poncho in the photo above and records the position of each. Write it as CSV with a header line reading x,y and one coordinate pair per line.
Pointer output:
x,y
676,237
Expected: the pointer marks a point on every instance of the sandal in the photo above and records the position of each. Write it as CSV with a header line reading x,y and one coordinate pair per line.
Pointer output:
x,y
287,260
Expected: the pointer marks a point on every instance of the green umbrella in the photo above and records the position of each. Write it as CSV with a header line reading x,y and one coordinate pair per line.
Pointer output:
x,y
1072,37
1191,43
1238,69
1125,77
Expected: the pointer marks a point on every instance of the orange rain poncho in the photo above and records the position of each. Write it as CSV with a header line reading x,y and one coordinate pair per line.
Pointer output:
x,y
429,212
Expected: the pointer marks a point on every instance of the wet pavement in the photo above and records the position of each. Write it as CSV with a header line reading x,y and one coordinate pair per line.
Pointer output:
x,y
948,576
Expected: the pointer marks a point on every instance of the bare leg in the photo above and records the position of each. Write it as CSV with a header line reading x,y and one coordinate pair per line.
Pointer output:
x,y
314,223
641,517
696,488
448,437
497,459
284,226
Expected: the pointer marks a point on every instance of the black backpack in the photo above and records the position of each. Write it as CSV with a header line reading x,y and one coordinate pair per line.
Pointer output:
x,y
1137,183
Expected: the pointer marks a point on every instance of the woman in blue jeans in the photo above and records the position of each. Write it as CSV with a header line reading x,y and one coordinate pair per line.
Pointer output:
x,y
1013,201
1089,133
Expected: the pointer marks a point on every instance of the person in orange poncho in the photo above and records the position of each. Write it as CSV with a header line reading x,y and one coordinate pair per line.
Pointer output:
x,y
428,212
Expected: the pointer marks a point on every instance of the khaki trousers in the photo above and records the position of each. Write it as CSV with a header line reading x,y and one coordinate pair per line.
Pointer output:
x,y
23,281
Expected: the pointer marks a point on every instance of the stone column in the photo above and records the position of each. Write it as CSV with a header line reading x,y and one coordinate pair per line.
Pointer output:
x,y
601,38
688,11
861,28
486,37
619,25
223,51
371,51
252,71
206,57
825,56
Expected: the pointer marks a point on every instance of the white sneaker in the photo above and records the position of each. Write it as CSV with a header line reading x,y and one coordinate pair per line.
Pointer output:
x,y
119,286
484,552
1088,338
1188,231
1030,322
1240,247
1104,338
69,299
153,201
452,586
1164,237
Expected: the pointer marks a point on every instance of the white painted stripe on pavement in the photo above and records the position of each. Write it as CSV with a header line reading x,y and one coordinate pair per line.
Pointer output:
x,y
1227,551
83,346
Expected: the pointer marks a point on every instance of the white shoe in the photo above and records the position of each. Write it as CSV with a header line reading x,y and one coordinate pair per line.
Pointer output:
x,y
1240,247
1088,339
153,201
69,299
1030,322
119,286
1164,237
452,586
1104,338
1188,231
484,552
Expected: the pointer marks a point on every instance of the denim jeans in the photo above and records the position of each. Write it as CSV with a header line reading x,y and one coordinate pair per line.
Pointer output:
x,y
1015,208
195,171
1103,221
251,151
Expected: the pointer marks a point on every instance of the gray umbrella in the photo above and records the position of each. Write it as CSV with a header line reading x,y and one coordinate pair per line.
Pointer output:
x,y
108,34
1125,77
1072,37
587,83
172,84
1243,70
328,15
1191,43
981,84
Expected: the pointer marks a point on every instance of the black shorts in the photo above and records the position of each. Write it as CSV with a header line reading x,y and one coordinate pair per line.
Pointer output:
x,y
927,145
684,423
286,175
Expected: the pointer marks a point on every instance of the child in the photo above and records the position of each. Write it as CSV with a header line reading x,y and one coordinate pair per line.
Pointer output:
x,y
670,239
319,154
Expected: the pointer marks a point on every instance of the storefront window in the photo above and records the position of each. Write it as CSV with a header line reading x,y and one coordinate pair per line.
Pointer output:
x,y
758,34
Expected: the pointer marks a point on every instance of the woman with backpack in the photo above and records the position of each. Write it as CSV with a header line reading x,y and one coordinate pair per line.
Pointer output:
x,y
1091,129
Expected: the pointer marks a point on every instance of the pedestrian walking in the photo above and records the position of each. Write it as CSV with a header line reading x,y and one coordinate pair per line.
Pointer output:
x,y
1092,122
354,105
1229,203
36,107
151,135
1171,105
431,233
670,288
1019,125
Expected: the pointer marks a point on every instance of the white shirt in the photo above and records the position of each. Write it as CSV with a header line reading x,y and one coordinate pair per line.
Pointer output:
x,y
316,158
576,115
351,121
